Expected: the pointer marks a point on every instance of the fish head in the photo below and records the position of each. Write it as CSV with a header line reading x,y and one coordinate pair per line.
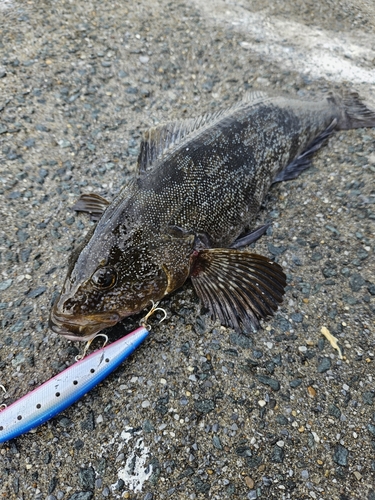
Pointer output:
x,y
112,276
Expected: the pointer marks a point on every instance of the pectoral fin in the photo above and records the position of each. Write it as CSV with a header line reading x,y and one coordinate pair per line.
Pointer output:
x,y
92,204
238,287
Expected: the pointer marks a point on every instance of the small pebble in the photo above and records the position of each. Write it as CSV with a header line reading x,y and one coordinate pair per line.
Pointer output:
x,y
105,492
249,482
281,419
297,317
217,443
305,474
82,495
356,282
368,397
295,383
4,285
334,411
204,406
340,455
277,455
311,391
271,382
37,292
87,478
63,143
315,436
324,365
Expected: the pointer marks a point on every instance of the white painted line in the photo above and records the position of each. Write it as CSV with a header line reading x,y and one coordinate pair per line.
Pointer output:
x,y
315,52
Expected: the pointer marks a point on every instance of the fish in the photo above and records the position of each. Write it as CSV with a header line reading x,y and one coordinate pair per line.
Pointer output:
x,y
189,212
64,389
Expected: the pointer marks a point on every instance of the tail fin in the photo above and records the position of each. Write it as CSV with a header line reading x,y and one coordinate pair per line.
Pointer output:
x,y
355,114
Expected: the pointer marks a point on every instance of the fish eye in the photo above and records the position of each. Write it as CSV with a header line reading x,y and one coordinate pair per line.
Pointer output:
x,y
104,277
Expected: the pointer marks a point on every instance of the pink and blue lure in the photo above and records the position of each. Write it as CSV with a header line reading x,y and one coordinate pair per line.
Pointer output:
x,y
64,389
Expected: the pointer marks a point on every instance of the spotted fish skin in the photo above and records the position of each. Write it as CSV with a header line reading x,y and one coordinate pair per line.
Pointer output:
x,y
199,186
215,182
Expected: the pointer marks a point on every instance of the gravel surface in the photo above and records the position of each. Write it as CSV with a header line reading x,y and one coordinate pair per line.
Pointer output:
x,y
198,411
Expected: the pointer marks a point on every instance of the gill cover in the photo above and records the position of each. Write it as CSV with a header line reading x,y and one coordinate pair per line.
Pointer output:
x,y
119,270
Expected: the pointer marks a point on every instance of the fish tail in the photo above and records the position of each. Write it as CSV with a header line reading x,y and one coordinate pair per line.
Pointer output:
x,y
355,114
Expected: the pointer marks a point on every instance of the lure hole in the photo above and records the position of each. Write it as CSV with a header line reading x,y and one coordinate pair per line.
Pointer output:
x,y
57,394
1,428
38,406
75,382
107,360
19,417
92,370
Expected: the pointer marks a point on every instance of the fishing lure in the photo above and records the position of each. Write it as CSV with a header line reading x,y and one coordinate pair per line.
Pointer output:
x,y
64,389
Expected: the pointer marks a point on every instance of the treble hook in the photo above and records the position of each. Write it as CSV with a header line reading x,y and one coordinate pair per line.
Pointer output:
x,y
3,405
153,309
88,343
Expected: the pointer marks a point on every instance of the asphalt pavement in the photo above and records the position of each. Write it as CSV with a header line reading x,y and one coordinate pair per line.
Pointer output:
x,y
198,411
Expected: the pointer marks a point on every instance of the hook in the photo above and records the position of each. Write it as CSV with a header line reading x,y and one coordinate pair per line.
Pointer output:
x,y
153,309
79,357
3,405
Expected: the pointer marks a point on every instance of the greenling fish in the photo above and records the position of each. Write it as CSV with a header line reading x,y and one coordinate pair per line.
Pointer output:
x,y
189,209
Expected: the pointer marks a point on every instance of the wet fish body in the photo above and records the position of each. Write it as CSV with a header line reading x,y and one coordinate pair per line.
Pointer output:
x,y
199,186
64,389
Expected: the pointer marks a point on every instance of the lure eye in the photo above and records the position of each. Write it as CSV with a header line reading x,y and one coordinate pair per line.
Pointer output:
x,y
104,278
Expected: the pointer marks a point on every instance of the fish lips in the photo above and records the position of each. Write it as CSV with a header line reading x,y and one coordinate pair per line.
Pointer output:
x,y
79,327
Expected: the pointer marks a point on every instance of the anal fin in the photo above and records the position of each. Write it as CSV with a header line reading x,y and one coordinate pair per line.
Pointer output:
x,y
238,287
93,204
303,161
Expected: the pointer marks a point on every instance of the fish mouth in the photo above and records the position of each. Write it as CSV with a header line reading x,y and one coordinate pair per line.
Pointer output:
x,y
79,327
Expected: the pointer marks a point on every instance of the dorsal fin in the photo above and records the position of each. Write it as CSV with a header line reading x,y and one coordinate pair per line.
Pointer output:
x,y
164,138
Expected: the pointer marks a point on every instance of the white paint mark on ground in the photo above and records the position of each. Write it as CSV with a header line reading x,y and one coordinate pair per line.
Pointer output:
x,y
311,51
135,472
